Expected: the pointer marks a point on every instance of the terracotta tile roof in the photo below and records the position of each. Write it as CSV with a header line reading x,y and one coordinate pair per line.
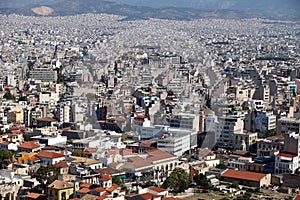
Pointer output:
x,y
59,185
33,158
62,164
86,185
290,155
103,196
47,154
112,188
89,151
156,155
84,190
5,143
157,189
99,189
21,128
29,145
244,175
147,143
149,196
33,195
105,178
109,171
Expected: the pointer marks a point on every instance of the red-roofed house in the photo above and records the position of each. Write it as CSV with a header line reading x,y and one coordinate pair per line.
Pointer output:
x,y
29,147
144,196
105,181
251,179
50,158
63,167
286,163
83,191
158,191
35,196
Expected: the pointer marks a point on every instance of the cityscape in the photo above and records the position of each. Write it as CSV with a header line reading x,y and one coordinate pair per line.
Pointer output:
x,y
116,103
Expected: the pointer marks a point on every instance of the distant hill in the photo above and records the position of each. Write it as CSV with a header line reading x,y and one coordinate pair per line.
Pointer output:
x,y
143,9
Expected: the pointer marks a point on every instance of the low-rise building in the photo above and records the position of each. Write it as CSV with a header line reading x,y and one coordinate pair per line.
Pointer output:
x,y
246,178
60,190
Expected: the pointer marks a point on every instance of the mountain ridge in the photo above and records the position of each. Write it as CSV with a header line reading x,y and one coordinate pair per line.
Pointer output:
x,y
74,7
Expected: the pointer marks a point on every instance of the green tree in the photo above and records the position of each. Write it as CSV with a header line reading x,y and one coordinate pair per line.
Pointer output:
x,y
201,180
270,133
47,174
149,184
9,96
246,196
117,180
78,153
221,166
235,184
178,181
6,158
23,98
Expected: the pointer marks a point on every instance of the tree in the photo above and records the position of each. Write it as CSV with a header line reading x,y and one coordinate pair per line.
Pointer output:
x,y
221,166
9,96
47,174
178,181
78,153
23,98
117,180
201,180
271,132
149,184
5,158
235,184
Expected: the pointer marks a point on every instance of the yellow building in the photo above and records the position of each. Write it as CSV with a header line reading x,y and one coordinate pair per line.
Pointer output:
x,y
60,190
15,117
25,157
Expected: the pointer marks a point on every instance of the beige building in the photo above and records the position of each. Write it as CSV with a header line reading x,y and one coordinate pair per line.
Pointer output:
x,y
246,178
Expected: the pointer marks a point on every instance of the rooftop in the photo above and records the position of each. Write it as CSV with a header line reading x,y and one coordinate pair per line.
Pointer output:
x,y
243,175
59,185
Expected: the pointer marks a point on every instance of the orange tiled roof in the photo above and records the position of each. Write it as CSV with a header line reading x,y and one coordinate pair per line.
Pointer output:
x,y
86,185
149,196
33,195
29,145
157,189
99,189
47,154
105,178
84,190
57,184
62,164
5,143
244,175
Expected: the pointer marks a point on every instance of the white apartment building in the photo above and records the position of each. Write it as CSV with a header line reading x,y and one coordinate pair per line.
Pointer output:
x,y
225,130
174,143
286,163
